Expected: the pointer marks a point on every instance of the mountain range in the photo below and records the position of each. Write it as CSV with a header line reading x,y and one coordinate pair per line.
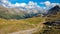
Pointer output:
x,y
23,12
17,12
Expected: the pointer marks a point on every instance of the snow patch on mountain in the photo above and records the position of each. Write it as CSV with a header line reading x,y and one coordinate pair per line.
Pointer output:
x,y
31,7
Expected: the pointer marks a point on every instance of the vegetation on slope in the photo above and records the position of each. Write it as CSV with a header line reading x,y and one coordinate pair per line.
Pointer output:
x,y
52,24
12,25
16,13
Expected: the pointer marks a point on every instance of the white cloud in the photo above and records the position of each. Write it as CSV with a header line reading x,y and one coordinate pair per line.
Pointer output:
x,y
5,1
44,7
18,5
31,4
54,4
23,4
48,4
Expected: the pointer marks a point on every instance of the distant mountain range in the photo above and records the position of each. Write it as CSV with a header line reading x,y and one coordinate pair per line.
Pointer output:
x,y
18,13
23,12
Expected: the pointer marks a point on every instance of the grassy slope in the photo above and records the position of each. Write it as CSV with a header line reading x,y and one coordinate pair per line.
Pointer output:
x,y
7,26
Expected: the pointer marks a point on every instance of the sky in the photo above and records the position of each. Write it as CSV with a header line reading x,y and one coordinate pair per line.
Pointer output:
x,y
37,1
32,3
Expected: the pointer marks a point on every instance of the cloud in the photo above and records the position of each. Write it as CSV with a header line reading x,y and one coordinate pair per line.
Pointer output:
x,y
35,8
31,4
54,4
6,3
44,7
48,4
17,5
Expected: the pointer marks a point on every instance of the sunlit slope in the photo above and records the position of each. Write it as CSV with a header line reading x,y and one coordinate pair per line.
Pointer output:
x,y
17,13
7,26
8,13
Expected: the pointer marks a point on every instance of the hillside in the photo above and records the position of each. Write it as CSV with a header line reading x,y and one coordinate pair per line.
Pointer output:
x,y
8,13
29,16
53,13
53,21
18,13
9,22
9,26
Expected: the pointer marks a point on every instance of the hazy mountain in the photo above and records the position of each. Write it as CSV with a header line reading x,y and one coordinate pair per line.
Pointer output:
x,y
19,12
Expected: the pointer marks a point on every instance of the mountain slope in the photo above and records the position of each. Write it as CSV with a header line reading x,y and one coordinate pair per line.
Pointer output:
x,y
53,21
17,13
53,14
54,10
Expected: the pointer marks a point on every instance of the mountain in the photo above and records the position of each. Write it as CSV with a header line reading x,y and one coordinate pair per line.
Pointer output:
x,y
18,12
8,10
54,10
26,11
53,14
53,21
9,13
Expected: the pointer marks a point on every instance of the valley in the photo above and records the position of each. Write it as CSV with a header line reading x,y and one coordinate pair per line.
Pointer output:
x,y
29,21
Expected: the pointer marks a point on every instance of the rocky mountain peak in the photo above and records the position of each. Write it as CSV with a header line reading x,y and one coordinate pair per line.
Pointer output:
x,y
54,10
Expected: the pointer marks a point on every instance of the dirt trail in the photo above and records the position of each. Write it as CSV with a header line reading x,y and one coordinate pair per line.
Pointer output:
x,y
30,31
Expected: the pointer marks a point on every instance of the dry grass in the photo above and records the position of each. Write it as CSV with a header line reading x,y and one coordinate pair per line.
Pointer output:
x,y
12,25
